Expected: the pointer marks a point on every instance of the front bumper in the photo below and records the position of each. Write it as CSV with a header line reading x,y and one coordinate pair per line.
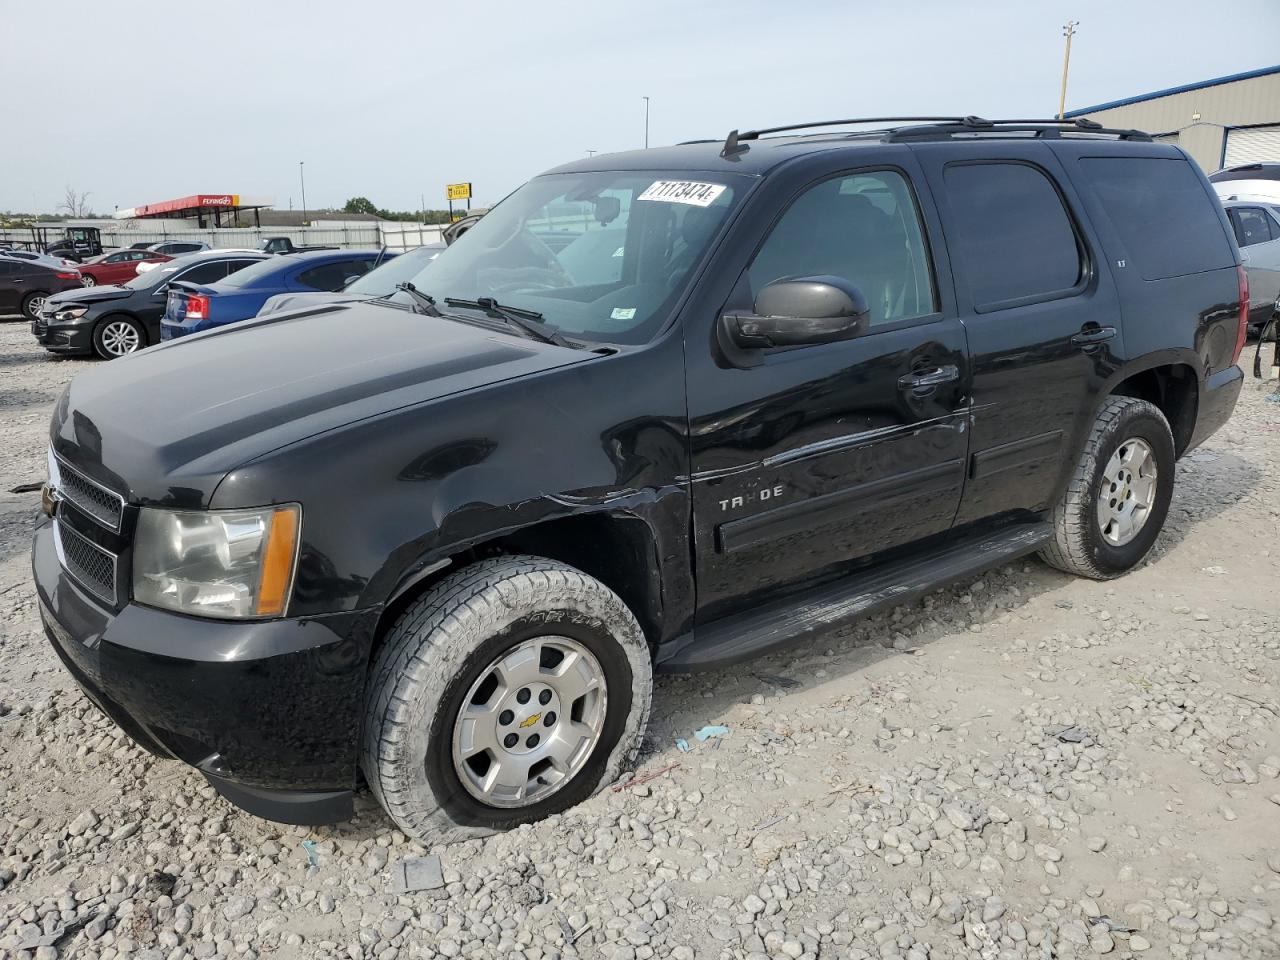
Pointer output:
x,y
1217,399
63,338
269,711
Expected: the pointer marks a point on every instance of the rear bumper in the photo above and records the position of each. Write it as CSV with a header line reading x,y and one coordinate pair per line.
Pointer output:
x,y
1218,395
269,712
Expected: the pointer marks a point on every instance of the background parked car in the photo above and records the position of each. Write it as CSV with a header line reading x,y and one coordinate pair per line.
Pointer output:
x,y
1257,229
195,307
175,248
1249,181
381,281
26,284
114,321
116,267
44,259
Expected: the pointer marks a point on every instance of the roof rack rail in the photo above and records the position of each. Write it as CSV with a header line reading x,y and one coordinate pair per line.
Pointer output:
x,y
736,142
1051,128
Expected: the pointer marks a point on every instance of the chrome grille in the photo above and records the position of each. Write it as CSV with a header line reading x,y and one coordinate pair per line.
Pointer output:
x,y
97,501
93,568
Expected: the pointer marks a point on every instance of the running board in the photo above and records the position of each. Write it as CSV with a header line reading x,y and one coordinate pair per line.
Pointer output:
x,y
833,605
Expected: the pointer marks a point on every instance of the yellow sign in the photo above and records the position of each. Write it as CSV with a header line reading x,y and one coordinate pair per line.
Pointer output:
x,y
457,191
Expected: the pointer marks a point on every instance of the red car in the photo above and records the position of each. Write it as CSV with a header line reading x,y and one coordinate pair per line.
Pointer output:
x,y
116,267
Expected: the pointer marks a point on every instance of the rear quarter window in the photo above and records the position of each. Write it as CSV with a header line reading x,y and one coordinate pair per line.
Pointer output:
x,y
1165,218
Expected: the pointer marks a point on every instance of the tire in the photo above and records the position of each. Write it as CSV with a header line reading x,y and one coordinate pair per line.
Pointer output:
x,y
1088,540
118,336
88,280
440,654
32,303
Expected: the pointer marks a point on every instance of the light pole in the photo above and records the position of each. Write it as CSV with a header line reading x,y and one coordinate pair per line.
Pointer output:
x,y
1068,31
591,153
303,180
646,122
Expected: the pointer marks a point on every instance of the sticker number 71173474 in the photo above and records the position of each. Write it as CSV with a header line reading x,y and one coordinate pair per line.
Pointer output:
x,y
683,191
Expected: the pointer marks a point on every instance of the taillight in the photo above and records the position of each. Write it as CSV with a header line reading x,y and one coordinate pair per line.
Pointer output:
x,y
68,276
1243,333
197,307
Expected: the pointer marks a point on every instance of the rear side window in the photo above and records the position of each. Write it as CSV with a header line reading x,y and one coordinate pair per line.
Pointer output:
x,y
1252,225
1011,233
205,272
333,276
1164,216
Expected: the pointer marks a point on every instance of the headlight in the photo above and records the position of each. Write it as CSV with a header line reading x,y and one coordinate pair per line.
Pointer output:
x,y
217,563
70,313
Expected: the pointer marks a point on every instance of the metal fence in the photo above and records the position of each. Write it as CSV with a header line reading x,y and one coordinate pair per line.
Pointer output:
x,y
395,236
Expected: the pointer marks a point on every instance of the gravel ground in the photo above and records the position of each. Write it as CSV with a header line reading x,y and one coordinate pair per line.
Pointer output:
x,y
1026,765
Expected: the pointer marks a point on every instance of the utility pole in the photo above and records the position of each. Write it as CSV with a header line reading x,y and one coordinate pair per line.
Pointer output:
x,y
591,153
1068,31
303,180
646,122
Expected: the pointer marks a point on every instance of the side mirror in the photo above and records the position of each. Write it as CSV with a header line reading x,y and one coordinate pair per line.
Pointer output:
x,y
801,310
348,280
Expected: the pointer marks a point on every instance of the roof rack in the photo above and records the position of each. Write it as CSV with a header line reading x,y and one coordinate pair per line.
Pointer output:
x,y
934,127
735,142
1046,129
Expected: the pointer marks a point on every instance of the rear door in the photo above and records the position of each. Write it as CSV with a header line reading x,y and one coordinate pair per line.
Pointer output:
x,y
1041,317
817,458
9,289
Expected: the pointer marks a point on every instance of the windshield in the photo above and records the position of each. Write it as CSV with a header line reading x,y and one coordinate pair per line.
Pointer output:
x,y
602,256
382,281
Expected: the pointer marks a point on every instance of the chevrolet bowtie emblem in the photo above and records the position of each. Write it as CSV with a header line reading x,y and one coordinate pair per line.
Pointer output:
x,y
529,721
49,500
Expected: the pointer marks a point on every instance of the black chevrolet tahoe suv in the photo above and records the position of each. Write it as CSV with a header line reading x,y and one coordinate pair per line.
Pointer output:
x,y
661,409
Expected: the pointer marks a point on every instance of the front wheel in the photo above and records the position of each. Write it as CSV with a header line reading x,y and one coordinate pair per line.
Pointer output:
x,y
87,280
1115,504
118,336
512,690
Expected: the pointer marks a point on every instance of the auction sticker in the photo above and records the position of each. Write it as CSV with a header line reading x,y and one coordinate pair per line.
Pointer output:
x,y
683,191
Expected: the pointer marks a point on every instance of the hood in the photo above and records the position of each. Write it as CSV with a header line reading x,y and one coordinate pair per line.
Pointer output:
x,y
297,301
166,424
90,295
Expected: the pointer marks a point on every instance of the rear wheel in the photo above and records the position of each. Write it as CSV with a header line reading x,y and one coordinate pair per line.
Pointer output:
x,y
118,336
32,303
1116,501
512,690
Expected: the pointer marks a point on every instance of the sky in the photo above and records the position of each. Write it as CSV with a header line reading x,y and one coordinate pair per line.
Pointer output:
x,y
136,103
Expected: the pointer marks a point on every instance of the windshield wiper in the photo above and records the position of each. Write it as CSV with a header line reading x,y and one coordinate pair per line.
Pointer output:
x,y
424,301
529,321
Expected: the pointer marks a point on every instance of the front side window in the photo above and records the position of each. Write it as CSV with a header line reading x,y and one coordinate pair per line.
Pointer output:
x,y
601,255
1252,226
863,228
1013,237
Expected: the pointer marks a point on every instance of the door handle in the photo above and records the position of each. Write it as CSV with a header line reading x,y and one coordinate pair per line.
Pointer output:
x,y
930,378
1092,335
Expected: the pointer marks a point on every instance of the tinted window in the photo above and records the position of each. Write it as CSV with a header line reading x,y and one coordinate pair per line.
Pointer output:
x,y
333,276
1165,219
117,258
1252,225
1013,237
863,228
205,272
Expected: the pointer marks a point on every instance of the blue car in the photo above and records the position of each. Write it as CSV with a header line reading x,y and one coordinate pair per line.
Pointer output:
x,y
194,307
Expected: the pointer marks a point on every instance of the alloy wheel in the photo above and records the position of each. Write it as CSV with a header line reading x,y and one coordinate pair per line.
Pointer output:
x,y
88,281
1127,492
119,338
529,722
